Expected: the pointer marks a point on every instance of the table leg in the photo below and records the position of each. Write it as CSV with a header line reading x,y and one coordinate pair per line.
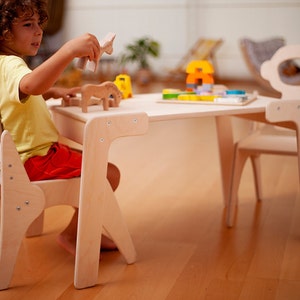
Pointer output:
x,y
226,153
96,196
91,204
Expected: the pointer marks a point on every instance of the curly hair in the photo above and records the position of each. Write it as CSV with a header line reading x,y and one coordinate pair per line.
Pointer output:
x,y
10,11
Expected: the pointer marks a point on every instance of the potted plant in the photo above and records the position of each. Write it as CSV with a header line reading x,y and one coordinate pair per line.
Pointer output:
x,y
139,52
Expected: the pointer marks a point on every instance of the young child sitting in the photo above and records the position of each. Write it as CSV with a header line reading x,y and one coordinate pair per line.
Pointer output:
x,y
23,110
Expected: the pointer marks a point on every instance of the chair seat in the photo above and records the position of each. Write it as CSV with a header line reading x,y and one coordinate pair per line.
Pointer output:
x,y
269,144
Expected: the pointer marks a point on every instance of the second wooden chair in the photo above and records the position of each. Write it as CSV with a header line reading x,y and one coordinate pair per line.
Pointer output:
x,y
268,139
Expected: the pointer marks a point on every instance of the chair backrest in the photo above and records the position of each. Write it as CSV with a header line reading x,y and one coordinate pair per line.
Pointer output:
x,y
270,71
282,111
256,52
285,111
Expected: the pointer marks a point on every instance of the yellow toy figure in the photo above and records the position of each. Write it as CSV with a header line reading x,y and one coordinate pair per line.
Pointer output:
x,y
123,82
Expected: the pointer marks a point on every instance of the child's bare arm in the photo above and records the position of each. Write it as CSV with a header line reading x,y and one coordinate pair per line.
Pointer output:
x,y
60,92
42,78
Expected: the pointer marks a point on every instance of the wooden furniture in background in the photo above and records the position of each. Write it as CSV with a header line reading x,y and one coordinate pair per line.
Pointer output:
x,y
203,49
266,139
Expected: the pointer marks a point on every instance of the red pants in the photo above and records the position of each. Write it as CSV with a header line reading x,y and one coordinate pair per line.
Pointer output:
x,y
60,162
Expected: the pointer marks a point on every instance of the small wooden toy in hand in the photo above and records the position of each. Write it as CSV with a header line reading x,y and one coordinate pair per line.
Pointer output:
x,y
106,47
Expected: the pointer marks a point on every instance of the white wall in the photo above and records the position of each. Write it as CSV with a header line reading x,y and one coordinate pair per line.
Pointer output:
x,y
232,20
177,24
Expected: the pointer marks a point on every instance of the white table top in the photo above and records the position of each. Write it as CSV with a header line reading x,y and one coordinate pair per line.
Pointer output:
x,y
157,111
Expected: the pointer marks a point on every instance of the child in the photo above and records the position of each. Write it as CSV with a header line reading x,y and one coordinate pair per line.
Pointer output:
x,y
23,93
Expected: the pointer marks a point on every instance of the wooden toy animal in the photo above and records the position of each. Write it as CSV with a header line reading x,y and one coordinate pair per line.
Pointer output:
x,y
106,46
106,92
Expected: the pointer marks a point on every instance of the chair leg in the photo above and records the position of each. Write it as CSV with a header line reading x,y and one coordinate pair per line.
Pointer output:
x,y
21,204
115,225
16,216
238,166
256,166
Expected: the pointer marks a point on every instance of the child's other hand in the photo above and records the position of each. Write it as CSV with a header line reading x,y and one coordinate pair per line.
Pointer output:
x,y
60,92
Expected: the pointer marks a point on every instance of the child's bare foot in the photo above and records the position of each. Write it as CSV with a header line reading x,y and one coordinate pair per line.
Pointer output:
x,y
67,239
107,244
69,243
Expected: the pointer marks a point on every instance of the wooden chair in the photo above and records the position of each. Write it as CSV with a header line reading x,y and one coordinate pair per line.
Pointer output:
x,y
23,202
203,49
255,53
268,139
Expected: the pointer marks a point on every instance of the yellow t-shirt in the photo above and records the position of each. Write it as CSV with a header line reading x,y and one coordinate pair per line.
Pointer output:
x,y
29,122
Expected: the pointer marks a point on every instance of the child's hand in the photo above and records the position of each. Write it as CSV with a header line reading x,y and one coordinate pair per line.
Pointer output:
x,y
60,92
86,45
106,46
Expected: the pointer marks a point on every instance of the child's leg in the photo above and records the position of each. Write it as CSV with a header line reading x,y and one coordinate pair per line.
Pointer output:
x,y
63,162
113,176
67,239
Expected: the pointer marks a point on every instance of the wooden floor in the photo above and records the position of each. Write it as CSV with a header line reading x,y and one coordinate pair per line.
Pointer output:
x,y
170,194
